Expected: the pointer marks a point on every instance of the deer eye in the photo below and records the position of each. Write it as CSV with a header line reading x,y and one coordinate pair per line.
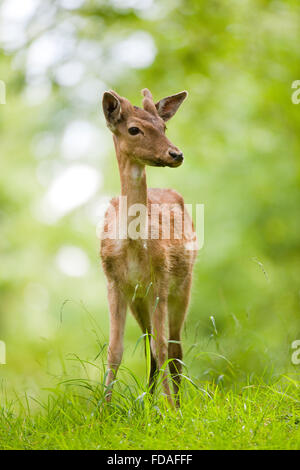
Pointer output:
x,y
133,130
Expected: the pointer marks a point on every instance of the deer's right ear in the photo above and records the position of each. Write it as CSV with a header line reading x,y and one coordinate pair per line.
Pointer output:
x,y
112,109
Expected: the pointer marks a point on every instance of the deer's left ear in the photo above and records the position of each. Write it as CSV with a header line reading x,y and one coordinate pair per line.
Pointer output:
x,y
111,108
167,107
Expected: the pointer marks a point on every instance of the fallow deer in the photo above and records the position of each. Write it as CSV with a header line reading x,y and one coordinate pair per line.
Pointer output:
x,y
151,275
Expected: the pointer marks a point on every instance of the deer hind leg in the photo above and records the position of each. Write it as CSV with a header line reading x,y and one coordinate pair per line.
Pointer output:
x,y
177,309
117,308
159,343
140,311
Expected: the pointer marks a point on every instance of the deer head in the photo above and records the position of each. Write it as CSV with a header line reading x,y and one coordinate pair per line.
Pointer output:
x,y
139,133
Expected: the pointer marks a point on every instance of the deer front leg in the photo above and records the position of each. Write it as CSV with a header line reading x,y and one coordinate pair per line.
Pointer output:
x,y
159,343
117,310
177,307
140,310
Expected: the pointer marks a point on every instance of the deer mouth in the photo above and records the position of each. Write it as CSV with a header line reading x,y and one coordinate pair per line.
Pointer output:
x,y
155,162
170,164
177,163
160,163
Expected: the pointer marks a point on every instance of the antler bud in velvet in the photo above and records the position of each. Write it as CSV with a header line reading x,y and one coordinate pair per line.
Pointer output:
x,y
148,103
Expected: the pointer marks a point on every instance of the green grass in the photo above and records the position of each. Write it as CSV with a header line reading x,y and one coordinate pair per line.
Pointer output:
x,y
73,416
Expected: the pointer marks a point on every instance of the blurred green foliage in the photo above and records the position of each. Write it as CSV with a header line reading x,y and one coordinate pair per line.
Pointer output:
x,y
239,131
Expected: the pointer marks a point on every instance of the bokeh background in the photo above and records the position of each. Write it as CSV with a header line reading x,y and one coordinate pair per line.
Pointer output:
x,y
239,131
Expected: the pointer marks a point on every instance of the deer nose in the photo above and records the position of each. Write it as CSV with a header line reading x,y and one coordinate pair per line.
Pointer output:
x,y
177,156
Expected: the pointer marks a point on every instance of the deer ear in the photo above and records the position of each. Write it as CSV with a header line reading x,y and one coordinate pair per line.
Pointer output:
x,y
167,107
111,108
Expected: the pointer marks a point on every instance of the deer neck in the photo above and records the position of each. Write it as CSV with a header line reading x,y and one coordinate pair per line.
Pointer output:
x,y
133,180
134,188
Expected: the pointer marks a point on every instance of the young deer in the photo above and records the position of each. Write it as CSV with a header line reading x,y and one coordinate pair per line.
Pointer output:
x,y
151,274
